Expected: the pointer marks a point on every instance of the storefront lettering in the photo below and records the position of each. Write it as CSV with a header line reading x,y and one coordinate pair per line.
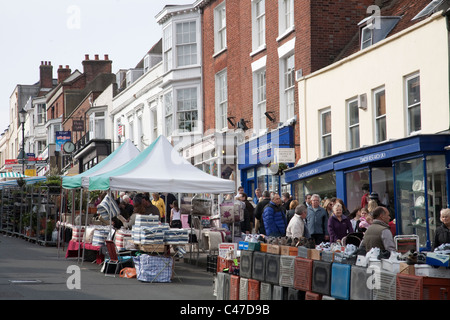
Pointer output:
x,y
262,148
372,157
308,173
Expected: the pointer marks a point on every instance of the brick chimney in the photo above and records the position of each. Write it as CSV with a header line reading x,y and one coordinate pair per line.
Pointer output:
x,y
46,74
92,68
63,73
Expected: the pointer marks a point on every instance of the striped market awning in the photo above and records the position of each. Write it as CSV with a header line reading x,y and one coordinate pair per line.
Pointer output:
x,y
12,175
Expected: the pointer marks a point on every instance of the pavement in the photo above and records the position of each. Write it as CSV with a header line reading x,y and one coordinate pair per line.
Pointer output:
x,y
29,271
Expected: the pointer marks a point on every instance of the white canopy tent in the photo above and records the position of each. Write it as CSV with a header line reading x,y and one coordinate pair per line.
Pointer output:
x,y
164,170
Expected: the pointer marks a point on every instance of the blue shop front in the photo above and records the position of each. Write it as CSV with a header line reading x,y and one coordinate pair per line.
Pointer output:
x,y
258,166
410,175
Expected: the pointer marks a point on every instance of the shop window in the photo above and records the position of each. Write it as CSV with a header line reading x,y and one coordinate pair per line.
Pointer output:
x,y
324,185
354,183
420,200
436,191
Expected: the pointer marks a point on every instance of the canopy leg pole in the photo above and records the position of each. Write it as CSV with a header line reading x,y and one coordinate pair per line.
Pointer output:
x,y
80,242
59,221
85,223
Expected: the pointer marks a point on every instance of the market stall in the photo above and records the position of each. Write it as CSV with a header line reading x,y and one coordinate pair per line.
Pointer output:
x,y
160,168
126,152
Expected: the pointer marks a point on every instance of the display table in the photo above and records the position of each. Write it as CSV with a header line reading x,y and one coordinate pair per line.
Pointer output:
x,y
73,246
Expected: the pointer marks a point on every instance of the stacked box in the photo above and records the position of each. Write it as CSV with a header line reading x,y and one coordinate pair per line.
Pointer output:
x,y
153,235
176,236
340,281
144,220
321,277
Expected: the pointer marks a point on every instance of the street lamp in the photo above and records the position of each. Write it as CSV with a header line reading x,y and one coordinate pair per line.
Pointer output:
x,y
22,118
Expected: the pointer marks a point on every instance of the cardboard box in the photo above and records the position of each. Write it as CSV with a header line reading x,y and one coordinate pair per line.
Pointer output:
x,y
273,248
315,254
407,269
284,250
426,270
263,247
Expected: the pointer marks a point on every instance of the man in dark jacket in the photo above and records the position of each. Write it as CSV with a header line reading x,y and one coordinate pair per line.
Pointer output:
x,y
274,218
259,224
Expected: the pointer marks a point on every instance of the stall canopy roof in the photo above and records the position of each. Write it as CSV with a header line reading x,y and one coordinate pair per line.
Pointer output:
x,y
118,158
160,168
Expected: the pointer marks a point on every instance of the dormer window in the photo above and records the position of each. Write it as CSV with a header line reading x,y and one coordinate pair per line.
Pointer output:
x,y
366,37
375,28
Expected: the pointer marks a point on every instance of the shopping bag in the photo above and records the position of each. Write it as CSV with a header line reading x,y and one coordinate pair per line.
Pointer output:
x,y
128,273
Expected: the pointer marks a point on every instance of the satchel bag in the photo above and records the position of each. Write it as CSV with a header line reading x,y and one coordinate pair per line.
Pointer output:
x,y
128,273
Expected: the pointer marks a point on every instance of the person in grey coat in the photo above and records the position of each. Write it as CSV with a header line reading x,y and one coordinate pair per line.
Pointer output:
x,y
317,221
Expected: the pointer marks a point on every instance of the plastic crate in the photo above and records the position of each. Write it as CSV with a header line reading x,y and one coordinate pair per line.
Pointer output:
x,y
321,277
243,288
359,288
211,263
411,287
340,281
294,294
287,264
234,287
226,286
220,279
272,268
253,289
265,292
384,287
246,262
279,293
312,296
303,273
258,265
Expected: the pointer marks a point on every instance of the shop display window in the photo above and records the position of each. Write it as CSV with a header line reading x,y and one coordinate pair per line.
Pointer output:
x,y
324,185
420,200
354,183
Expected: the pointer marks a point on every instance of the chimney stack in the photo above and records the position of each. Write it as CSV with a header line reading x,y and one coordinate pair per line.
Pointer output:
x,y
46,74
63,73
93,68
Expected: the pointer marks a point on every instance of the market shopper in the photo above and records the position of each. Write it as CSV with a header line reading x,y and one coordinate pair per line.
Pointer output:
x,y
159,203
274,218
126,208
175,215
297,226
258,195
443,231
150,208
259,224
379,235
291,211
338,224
317,221
245,224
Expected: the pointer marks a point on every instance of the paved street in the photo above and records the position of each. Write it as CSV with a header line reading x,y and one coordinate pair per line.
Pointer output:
x,y
29,271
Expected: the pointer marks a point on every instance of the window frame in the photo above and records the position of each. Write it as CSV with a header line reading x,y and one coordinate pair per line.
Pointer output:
x,y
221,80
414,105
379,118
325,135
187,44
260,90
285,16
220,30
258,24
351,103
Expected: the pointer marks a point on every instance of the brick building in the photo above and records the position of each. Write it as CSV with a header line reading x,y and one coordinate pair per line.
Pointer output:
x,y
253,52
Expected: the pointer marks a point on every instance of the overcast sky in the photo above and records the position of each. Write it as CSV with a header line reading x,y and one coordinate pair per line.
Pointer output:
x,y
63,31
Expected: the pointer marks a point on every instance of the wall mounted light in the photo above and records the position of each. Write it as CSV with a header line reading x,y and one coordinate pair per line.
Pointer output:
x,y
268,115
230,121
242,124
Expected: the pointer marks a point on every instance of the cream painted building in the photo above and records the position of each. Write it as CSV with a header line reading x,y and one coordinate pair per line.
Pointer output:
x,y
379,118
392,65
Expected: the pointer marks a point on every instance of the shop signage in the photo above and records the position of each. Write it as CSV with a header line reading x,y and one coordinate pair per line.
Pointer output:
x,y
284,155
372,157
308,173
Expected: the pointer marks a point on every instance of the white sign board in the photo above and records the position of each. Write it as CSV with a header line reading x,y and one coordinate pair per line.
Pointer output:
x,y
284,155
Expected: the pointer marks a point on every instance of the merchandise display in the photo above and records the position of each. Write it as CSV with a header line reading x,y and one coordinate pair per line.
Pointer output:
x,y
333,271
